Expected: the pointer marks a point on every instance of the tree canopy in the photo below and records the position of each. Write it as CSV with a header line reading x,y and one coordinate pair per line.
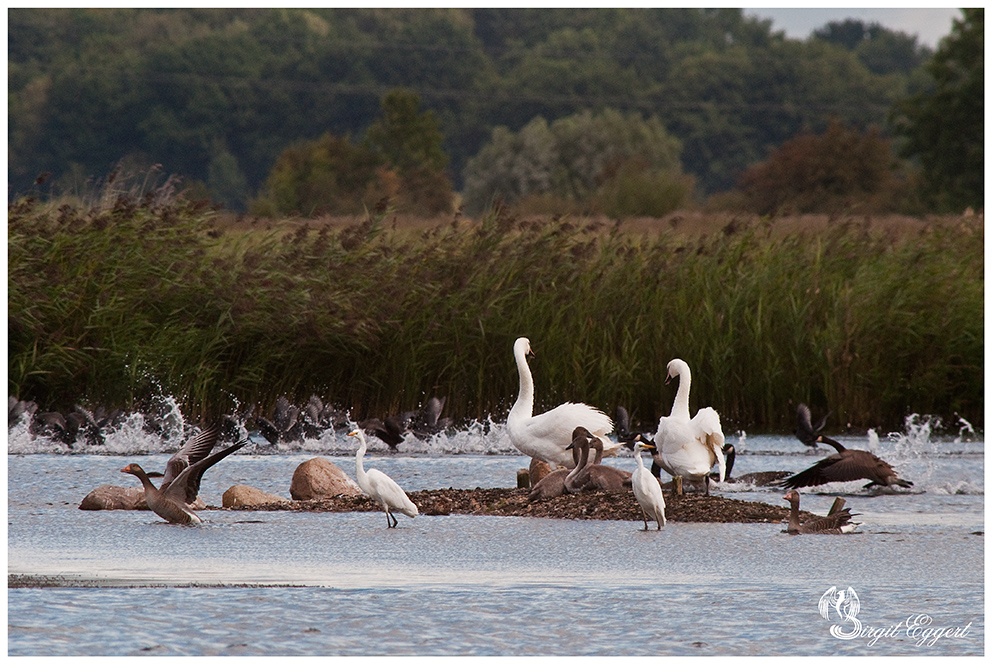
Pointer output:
x,y
945,126
216,95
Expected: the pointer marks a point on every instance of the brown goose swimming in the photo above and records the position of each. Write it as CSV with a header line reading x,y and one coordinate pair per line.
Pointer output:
x,y
836,522
171,501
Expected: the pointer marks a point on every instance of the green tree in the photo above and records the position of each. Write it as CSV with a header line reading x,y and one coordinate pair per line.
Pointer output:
x,y
225,180
945,127
410,143
881,50
327,175
406,137
570,159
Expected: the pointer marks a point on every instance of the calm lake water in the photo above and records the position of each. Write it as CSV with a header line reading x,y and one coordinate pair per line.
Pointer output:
x,y
283,583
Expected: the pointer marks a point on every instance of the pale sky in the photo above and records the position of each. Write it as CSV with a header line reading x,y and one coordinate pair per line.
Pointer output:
x,y
929,25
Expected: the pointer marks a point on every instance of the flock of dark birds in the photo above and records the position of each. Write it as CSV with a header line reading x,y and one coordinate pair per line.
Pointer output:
x,y
288,423
181,479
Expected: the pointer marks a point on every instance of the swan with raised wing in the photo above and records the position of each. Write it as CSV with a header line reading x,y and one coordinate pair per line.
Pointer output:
x,y
547,435
689,447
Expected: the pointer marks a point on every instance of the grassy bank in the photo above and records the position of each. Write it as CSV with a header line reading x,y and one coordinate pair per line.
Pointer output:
x,y
114,304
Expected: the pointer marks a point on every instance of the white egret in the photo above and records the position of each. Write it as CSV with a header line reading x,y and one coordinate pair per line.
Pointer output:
x,y
647,489
380,487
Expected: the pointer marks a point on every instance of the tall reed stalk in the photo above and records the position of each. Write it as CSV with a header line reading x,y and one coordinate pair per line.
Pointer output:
x,y
114,303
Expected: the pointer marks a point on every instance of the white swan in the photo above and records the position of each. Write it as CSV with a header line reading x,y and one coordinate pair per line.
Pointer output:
x,y
647,489
546,436
689,447
381,487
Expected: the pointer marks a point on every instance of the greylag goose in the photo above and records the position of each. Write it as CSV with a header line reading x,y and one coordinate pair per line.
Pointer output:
x,y
836,522
171,501
547,435
689,447
844,466
647,490
427,421
593,476
380,487
284,425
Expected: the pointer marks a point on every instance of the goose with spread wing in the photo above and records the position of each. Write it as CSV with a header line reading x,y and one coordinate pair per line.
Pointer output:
x,y
844,466
181,482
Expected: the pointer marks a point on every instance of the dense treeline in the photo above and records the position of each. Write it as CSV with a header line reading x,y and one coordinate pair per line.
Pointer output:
x,y
217,95
137,296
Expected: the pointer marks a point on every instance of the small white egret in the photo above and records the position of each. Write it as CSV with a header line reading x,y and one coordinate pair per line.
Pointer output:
x,y
647,489
380,487
689,447
546,436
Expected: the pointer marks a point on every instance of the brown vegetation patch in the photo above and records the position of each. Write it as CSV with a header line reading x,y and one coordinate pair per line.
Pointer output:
x,y
588,505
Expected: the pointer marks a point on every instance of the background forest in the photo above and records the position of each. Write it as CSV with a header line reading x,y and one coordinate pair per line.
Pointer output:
x,y
216,96
523,146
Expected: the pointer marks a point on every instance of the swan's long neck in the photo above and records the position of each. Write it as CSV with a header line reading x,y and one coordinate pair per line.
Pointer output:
x,y
524,406
680,408
579,466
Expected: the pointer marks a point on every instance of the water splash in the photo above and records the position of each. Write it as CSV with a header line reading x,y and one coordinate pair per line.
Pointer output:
x,y
964,429
874,446
741,444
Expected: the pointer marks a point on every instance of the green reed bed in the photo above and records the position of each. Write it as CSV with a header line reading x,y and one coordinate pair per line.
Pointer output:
x,y
115,304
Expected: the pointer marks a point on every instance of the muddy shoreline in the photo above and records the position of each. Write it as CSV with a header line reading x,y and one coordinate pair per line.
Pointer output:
x,y
620,506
